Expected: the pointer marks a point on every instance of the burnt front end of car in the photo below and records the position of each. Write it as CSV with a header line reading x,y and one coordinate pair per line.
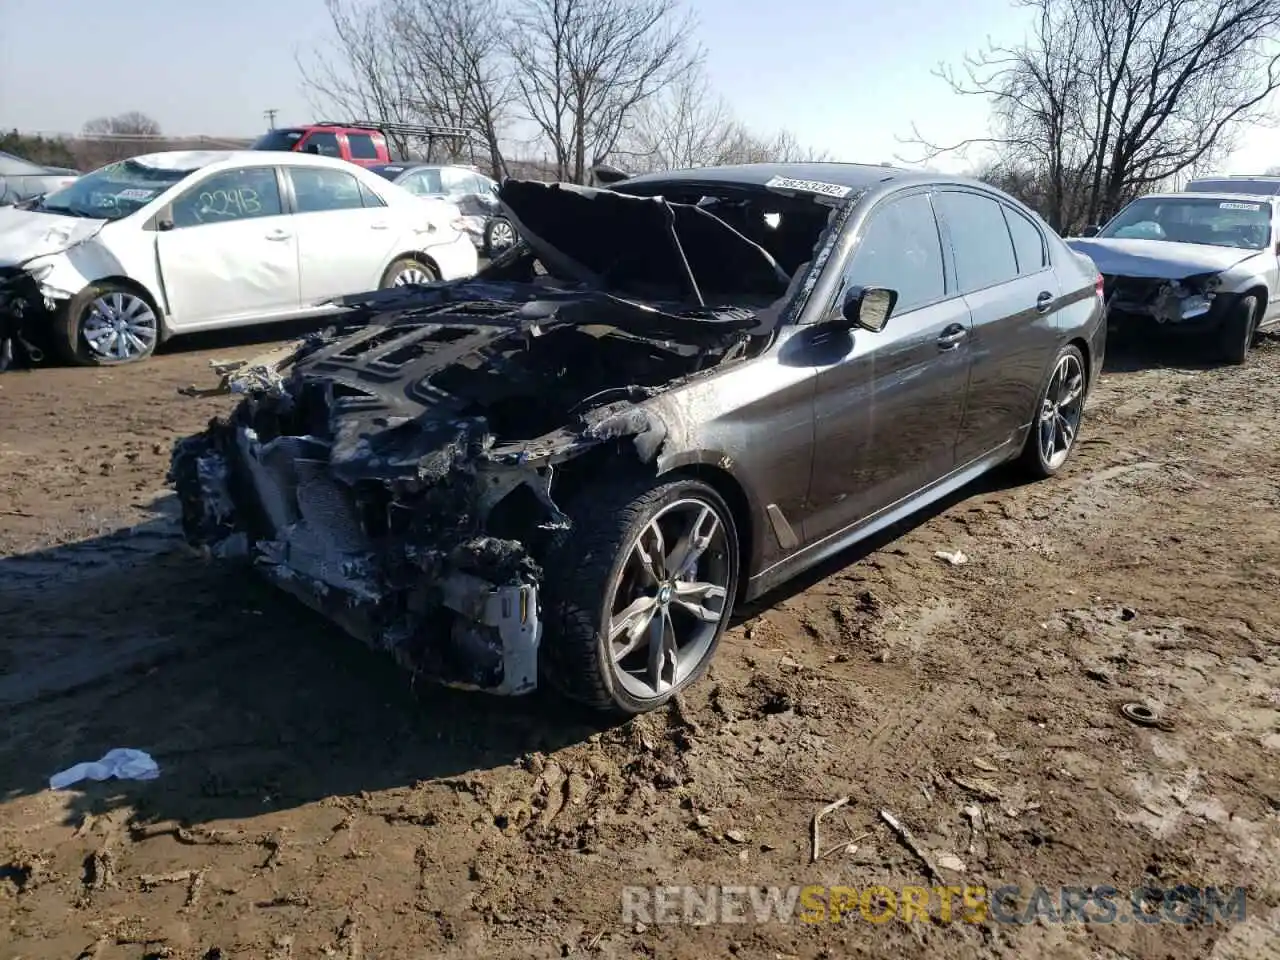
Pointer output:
x,y
386,538
398,478
1185,305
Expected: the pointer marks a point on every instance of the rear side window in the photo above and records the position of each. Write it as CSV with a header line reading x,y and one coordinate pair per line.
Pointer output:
x,y
370,198
362,146
980,240
1028,242
319,191
900,249
325,144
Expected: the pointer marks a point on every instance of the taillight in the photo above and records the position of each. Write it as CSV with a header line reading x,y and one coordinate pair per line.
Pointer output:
x,y
1099,288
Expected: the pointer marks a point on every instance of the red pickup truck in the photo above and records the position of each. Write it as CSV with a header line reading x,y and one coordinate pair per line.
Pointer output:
x,y
362,145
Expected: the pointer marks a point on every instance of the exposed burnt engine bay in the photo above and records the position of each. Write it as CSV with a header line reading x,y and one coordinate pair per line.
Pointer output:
x,y
396,473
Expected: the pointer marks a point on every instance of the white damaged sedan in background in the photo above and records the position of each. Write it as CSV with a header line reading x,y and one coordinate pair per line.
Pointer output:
x,y
171,243
1199,263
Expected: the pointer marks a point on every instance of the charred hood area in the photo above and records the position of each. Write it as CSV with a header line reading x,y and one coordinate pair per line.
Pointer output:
x,y
395,471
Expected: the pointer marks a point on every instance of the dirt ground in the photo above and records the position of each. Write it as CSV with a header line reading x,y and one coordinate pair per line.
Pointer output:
x,y
311,805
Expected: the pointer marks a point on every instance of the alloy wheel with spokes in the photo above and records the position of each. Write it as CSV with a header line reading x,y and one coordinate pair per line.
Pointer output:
x,y
408,272
119,327
500,236
638,592
1058,418
107,324
670,598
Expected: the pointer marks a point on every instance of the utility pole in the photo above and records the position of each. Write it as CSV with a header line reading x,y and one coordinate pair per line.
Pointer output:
x,y
271,117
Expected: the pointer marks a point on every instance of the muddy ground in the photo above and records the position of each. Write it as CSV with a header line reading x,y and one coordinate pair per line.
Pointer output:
x,y
311,805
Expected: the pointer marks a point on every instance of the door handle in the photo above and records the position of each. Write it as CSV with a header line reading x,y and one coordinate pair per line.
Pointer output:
x,y
1044,301
950,338
278,235
380,225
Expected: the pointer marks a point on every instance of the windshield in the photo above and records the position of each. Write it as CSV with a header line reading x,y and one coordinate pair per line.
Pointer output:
x,y
111,192
278,140
1207,220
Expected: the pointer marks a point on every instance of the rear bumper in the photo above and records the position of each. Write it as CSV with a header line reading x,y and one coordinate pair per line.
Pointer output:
x,y
457,259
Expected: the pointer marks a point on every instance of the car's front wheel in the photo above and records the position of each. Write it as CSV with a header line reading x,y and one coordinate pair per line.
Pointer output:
x,y
1058,416
638,592
107,324
1235,336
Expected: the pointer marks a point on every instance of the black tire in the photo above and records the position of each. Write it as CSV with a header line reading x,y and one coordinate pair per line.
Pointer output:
x,y
587,565
402,265
1235,336
1034,461
79,313
492,247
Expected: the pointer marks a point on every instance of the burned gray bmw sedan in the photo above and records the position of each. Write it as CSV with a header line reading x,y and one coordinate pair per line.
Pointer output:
x,y
671,395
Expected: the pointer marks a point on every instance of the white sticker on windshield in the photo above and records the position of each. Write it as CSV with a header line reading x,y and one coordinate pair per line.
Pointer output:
x,y
809,186
135,193
1236,205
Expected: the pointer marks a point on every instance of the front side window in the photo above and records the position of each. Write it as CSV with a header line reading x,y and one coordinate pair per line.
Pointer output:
x,y
457,183
322,191
325,144
900,249
242,194
980,240
1211,221
111,192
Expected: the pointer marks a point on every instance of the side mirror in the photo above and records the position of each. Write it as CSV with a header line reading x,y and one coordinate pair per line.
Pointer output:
x,y
868,307
1090,231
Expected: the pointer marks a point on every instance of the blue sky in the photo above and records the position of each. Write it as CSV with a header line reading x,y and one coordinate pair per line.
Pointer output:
x,y
845,77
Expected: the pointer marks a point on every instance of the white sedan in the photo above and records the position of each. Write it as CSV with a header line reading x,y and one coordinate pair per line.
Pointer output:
x,y
172,243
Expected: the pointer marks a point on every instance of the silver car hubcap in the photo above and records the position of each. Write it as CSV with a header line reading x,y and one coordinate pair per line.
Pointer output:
x,y
501,235
411,276
1061,410
120,326
671,596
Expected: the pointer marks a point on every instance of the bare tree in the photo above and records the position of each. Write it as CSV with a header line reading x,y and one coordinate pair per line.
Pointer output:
x,y
584,67
457,65
358,71
687,125
133,124
1108,99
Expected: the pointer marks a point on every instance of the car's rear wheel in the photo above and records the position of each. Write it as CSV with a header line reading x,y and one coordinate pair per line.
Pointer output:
x,y
408,272
638,592
499,235
1235,337
1058,415
107,324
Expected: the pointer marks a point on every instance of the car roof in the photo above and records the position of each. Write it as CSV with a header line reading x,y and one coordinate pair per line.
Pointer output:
x,y
189,161
858,176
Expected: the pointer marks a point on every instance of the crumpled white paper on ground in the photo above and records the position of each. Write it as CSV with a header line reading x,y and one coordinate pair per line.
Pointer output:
x,y
122,763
